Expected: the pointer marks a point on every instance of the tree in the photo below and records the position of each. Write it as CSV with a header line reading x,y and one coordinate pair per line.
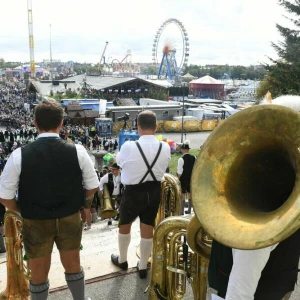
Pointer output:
x,y
284,73
2,63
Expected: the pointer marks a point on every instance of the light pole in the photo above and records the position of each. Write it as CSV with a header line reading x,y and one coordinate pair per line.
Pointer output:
x,y
183,84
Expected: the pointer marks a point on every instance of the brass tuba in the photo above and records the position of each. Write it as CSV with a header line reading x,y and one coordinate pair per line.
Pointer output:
x,y
159,287
200,243
181,251
245,192
245,181
107,209
17,286
170,199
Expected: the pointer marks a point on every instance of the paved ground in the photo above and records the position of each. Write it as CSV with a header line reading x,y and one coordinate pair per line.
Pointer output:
x,y
196,138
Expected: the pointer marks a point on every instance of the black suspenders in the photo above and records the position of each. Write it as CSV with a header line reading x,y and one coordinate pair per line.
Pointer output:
x,y
146,162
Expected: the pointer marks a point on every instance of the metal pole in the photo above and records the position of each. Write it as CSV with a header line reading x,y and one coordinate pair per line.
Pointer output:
x,y
182,114
50,55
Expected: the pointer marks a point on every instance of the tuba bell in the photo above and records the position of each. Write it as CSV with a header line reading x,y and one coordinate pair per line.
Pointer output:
x,y
245,183
107,209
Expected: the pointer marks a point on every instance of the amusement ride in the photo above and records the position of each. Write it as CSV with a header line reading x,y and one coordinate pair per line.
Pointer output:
x,y
125,66
170,52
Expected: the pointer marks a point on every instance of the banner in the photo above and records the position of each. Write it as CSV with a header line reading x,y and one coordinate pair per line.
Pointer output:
x,y
102,106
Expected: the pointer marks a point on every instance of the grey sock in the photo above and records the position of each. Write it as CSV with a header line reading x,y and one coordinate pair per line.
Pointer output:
x,y
75,283
182,206
39,291
2,245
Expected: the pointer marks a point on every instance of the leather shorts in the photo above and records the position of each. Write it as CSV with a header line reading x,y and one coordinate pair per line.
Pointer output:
x,y
40,235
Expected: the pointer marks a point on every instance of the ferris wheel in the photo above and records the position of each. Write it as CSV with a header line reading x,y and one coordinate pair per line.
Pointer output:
x,y
170,52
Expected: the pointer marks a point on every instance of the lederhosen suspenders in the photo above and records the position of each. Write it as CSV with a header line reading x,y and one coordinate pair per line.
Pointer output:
x,y
146,162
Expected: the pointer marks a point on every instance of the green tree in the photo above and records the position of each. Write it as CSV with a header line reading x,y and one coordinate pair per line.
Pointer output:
x,y
2,63
159,94
284,73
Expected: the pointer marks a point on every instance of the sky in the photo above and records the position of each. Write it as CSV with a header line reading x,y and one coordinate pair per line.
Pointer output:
x,y
234,32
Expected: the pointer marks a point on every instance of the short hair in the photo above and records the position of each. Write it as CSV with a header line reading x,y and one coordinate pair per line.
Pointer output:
x,y
147,120
48,114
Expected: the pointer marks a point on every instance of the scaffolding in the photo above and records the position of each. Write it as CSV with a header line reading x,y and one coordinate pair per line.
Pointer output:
x,y
31,41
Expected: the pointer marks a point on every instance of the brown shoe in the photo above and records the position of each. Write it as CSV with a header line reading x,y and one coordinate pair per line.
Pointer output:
x,y
115,261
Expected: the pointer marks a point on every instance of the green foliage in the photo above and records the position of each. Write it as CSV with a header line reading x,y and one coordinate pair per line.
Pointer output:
x,y
268,84
86,68
149,70
159,94
69,94
12,64
2,63
284,73
226,71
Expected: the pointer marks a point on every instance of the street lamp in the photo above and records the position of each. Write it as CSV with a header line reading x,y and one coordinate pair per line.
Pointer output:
x,y
183,85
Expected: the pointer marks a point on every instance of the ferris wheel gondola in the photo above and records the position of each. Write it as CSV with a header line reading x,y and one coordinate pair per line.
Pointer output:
x,y
170,54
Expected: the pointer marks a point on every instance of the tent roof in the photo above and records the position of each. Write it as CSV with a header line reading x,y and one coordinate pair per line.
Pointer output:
x,y
207,80
188,75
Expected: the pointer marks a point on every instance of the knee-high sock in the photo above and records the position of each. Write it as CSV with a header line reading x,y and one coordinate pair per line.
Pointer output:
x,y
124,241
145,248
75,283
39,291
190,205
94,217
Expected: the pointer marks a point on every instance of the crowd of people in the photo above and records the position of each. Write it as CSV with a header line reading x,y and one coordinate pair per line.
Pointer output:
x,y
17,125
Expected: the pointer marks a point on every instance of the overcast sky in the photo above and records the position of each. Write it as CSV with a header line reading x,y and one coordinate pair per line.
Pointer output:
x,y
220,31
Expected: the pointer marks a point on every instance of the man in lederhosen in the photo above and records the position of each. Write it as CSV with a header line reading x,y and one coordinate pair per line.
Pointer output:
x,y
143,164
113,181
53,178
184,172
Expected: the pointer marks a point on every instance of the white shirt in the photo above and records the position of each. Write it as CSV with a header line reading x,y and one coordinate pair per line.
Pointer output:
x,y
246,272
180,165
9,180
133,166
116,180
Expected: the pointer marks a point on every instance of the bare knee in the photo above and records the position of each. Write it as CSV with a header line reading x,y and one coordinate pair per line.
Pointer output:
x,y
70,260
146,231
39,269
125,229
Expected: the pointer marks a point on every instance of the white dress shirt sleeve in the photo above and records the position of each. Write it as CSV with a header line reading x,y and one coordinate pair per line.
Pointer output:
x,y
246,272
180,166
89,175
103,180
123,154
9,181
